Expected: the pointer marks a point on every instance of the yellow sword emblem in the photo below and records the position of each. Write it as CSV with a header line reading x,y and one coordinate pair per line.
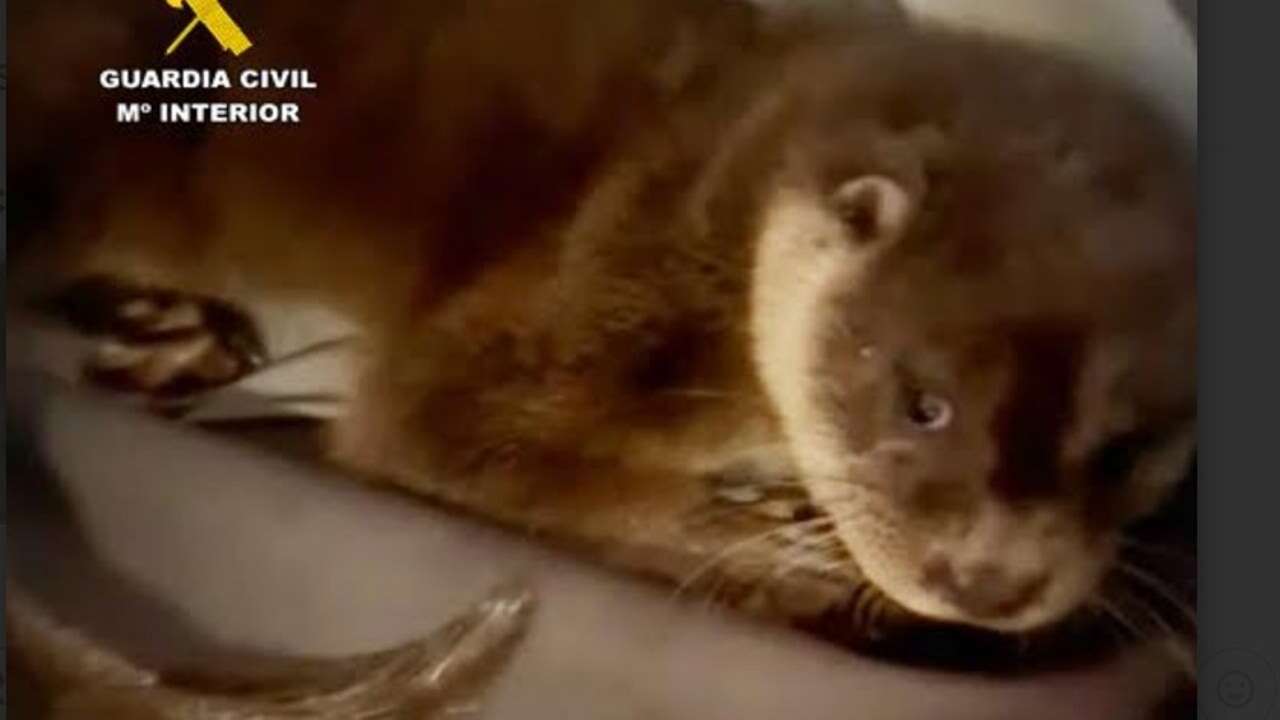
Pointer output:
x,y
216,20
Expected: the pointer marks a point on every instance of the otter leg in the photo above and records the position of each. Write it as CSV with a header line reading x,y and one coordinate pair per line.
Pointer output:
x,y
548,453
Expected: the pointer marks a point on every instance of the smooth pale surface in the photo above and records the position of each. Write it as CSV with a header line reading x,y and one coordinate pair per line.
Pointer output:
x,y
1145,42
252,551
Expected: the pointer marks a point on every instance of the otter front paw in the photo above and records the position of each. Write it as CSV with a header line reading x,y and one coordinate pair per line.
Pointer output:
x,y
159,342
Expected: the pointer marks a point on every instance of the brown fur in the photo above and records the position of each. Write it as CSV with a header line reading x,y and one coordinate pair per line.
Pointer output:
x,y
520,239
544,217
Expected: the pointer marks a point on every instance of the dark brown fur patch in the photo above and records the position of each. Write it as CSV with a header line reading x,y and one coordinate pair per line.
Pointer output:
x,y
1037,410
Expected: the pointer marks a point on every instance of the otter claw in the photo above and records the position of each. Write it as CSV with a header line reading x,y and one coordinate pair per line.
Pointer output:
x,y
160,342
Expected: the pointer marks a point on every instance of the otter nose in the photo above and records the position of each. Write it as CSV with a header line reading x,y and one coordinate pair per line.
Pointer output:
x,y
983,589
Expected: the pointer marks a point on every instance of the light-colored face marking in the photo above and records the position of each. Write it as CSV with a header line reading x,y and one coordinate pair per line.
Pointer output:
x,y
800,262
806,256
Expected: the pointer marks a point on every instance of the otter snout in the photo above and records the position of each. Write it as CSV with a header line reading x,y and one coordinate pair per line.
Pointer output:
x,y
1009,569
983,589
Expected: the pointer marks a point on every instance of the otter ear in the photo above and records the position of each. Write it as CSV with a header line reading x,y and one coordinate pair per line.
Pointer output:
x,y
875,208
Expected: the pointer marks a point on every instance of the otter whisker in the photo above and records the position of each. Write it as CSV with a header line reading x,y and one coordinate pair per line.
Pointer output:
x,y
822,570
804,557
1161,588
825,545
1177,651
741,546
754,571
805,546
1120,619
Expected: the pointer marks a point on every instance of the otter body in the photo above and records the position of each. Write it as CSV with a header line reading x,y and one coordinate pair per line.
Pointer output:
x,y
941,284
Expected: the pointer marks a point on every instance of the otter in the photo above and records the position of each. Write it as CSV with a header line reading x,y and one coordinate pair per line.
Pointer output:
x,y
937,286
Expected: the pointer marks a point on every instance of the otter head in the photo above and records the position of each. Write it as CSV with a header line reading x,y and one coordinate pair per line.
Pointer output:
x,y
979,338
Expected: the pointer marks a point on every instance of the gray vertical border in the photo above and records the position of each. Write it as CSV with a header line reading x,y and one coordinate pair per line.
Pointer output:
x,y
1239,357
4,288
1239,352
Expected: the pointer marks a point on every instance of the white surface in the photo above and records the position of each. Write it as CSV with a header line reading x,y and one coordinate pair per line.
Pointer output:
x,y
257,552
1142,41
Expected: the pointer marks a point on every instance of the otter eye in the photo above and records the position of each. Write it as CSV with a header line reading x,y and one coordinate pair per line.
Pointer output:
x,y
927,411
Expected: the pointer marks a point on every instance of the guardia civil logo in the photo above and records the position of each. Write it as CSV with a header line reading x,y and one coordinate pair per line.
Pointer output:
x,y
216,20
